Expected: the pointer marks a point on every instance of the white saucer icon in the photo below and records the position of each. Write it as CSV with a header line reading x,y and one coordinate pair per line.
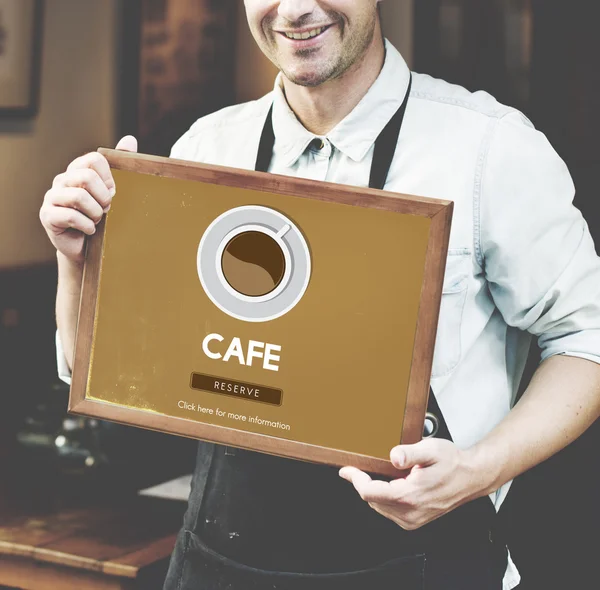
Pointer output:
x,y
254,263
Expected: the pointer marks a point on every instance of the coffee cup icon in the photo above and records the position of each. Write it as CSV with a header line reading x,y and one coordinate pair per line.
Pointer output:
x,y
254,263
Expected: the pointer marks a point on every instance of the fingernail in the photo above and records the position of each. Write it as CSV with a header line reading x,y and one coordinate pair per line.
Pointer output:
x,y
112,192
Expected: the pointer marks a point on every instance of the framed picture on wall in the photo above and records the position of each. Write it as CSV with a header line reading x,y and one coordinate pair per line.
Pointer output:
x,y
20,56
177,65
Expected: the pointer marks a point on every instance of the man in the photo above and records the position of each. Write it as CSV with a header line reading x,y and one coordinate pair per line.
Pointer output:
x,y
521,263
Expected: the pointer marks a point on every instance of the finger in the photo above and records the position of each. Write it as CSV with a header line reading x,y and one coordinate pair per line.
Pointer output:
x,y
99,164
88,179
408,456
370,490
128,144
352,473
60,219
75,198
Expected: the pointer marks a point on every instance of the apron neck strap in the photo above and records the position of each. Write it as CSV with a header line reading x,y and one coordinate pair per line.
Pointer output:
x,y
385,145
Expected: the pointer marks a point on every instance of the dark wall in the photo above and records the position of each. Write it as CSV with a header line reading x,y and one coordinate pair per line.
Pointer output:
x,y
27,358
565,81
552,513
555,510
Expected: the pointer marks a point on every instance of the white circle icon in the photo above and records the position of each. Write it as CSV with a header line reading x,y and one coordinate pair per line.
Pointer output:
x,y
254,263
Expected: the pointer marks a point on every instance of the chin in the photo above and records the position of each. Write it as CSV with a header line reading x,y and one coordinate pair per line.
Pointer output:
x,y
308,80
306,76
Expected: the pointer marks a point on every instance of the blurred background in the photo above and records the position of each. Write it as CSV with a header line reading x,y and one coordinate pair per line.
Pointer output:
x,y
79,74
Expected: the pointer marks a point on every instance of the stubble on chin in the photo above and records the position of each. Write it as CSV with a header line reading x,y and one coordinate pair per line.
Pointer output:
x,y
311,72
310,69
314,70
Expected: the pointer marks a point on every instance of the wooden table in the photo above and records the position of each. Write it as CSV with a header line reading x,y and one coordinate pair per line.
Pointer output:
x,y
104,546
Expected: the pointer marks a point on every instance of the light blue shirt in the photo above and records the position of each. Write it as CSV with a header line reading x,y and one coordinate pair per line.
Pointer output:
x,y
521,262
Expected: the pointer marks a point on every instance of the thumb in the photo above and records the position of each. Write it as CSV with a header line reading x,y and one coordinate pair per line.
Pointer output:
x,y
128,144
409,456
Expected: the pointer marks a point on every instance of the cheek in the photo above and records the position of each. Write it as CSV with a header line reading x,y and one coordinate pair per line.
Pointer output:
x,y
259,10
351,8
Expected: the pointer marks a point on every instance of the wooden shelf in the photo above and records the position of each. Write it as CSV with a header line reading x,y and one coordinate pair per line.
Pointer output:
x,y
117,545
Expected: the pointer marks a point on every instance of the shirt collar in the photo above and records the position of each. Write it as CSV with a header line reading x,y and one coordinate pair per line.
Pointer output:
x,y
356,133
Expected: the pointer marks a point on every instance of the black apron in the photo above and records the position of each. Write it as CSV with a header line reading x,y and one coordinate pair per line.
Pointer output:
x,y
259,521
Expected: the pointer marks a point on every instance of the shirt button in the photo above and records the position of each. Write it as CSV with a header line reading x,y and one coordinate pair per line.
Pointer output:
x,y
317,143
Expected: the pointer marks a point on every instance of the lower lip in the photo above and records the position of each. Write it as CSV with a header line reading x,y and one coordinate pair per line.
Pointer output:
x,y
306,43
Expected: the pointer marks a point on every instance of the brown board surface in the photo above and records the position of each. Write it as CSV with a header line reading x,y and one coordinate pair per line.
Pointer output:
x,y
283,315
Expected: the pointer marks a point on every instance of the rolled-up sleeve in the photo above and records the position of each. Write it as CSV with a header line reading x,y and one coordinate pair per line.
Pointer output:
x,y
64,373
535,246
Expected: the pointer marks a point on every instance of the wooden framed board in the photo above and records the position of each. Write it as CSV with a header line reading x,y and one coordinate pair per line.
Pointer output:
x,y
276,314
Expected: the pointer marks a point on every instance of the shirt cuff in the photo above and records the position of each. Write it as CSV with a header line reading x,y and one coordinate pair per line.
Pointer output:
x,y
64,373
583,344
584,355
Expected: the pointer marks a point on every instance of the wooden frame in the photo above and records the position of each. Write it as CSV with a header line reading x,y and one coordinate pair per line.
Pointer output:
x,y
20,57
437,212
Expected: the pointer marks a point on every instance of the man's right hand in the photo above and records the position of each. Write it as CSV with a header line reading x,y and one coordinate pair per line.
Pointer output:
x,y
72,208
78,200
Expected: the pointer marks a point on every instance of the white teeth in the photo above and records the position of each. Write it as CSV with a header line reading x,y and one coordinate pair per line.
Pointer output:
x,y
307,35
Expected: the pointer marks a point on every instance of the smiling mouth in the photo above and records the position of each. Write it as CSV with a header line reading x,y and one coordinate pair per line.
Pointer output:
x,y
306,34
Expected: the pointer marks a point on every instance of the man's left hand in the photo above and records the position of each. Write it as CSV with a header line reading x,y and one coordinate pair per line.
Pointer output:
x,y
438,477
